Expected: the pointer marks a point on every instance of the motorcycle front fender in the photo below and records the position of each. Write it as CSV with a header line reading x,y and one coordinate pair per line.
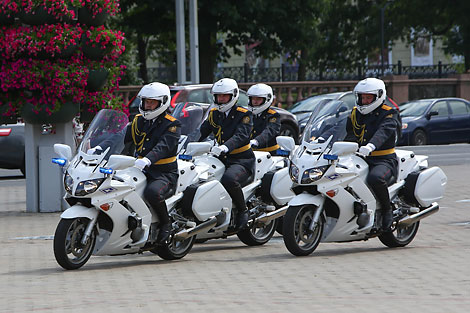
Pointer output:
x,y
76,211
307,198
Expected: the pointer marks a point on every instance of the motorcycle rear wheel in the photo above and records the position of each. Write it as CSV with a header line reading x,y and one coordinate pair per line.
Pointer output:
x,y
400,237
257,236
174,250
298,238
69,252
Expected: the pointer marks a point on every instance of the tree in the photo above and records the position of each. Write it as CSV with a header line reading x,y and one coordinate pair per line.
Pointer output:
x,y
445,19
150,25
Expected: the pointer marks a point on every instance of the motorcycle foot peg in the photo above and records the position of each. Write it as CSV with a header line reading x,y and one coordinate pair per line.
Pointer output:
x,y
133,222
270,208
190,224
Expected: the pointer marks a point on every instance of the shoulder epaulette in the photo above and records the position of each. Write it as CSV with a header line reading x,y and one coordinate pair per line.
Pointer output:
x,y
386,107
242,109
170,118
271,111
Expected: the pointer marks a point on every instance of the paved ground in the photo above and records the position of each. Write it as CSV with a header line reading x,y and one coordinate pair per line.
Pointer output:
x,y
432,274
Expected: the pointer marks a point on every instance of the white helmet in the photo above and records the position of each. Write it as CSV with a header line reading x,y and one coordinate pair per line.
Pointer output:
x,y
372,86
225,86
156,91
261,91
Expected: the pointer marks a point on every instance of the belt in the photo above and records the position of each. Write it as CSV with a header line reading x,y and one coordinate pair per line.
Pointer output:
x,y
382,152
268,149
165,161
241,149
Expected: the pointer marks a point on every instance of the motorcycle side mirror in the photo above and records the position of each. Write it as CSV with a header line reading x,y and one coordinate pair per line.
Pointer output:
x,y
64,151
285,142
198,148
341,110
119,162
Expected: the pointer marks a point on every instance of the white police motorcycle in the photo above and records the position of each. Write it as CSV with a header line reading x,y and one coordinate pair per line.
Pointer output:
x,y
108,214
266,193
333,203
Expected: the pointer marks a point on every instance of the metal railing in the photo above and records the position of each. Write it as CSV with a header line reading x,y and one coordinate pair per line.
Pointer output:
x,y
287,73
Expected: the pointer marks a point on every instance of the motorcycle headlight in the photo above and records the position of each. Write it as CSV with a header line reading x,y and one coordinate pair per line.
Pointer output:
x,y
88,186
294,172
313,174
68,183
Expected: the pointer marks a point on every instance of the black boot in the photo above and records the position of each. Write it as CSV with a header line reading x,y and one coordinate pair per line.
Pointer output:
x,y
387,220
242,220
165,225
239,200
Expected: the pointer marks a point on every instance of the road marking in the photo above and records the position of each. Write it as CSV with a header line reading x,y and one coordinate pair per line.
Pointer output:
x,y
34,238
464,200
461,223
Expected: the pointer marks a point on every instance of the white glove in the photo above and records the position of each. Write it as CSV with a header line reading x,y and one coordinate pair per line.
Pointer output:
x,y
142,163
366,150
254,142
218,150
92,150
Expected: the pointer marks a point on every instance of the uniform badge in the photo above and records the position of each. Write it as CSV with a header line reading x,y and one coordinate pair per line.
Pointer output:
x,y
389,116
272,120
172,129
246,120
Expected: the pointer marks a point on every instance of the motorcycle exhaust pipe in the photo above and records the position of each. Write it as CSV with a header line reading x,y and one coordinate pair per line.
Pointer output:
x,y
267,217
411,219
203,227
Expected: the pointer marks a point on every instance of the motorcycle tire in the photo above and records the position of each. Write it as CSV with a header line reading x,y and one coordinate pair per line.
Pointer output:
x,y
280,225
68,249
400,237
174,250
257,236
298,238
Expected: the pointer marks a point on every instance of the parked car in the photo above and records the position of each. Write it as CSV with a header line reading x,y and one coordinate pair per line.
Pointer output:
x,y
304,108
435,121
201,94
12,143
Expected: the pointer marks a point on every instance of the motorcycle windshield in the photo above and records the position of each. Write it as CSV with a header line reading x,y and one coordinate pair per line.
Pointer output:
x,y
191,116
107,130
326,121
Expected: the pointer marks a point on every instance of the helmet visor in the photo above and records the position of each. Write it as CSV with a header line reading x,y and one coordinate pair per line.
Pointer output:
x,y
365,98
256,101
148,104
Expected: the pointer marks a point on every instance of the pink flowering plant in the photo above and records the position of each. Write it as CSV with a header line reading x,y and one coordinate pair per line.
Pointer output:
x,y
65,81
109,41
110,7
34,70
47,40
56,8
10,7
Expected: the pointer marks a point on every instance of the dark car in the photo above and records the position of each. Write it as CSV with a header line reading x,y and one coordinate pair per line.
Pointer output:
x,y
201,94
12,143
304,108
435,121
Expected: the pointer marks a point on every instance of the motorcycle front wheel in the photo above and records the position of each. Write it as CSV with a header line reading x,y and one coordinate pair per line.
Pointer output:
x,y
400,237
257,234
69,251
174,250
298,238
